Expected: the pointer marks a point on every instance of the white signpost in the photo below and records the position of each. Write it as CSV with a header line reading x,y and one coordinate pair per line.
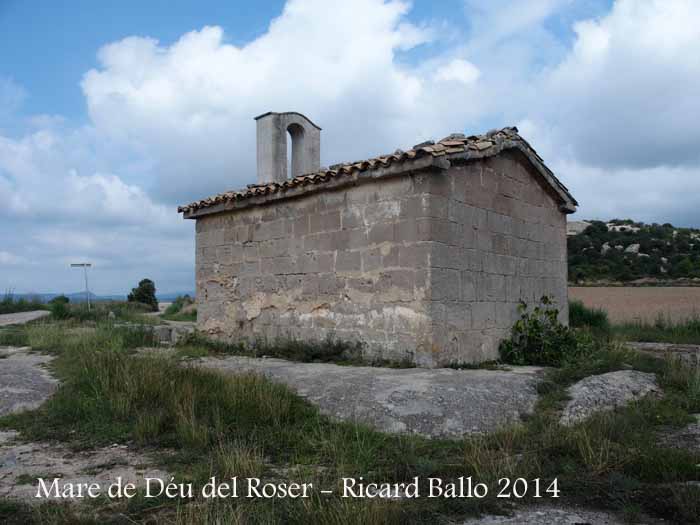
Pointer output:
x,y
84,266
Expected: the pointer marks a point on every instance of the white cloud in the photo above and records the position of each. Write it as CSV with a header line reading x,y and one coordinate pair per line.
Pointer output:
x,y
459,70
613,111
191,105
626,95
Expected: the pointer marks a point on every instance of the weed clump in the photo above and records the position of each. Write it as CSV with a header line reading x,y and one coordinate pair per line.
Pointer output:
x,y
662,330
581,316
181,309
539,338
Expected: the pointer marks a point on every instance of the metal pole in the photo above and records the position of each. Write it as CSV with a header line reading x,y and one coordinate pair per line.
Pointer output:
x,y
87,288
84,266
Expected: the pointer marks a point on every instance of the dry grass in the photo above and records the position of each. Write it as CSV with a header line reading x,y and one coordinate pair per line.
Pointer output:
x,y
629,304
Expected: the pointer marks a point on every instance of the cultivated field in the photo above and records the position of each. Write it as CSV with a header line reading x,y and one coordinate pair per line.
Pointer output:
x,y
676,303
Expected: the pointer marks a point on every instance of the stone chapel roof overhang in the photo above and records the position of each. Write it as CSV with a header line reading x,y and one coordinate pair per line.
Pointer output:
x,y
438,155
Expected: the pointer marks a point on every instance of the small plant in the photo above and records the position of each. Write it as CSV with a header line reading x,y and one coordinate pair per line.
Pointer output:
x,y
144,294
59,307
178,304
582,316
538,338
181,309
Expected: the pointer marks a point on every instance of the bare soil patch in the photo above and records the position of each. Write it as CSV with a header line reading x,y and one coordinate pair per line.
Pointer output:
x,y
625,304
21,463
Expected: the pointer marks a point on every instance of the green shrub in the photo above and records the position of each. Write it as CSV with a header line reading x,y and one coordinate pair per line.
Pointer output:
x,y
538,338
582,316
59,310
62,299
178,304
145,293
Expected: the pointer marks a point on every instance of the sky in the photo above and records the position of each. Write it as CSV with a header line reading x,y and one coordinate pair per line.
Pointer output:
x,y
114,113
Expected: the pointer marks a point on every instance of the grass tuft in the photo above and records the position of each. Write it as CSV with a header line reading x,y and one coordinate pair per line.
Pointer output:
x,y
663,330
582,316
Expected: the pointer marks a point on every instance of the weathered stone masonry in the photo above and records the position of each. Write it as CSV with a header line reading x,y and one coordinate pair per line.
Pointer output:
x,y
426,264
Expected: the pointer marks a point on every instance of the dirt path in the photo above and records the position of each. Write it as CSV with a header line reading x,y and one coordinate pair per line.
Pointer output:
x,y
431,402
22,317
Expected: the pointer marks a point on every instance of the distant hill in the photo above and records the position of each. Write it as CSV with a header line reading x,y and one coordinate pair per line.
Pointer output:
x,y
625,251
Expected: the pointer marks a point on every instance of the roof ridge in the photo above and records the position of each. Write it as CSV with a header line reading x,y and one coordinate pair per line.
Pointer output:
x,y
473,146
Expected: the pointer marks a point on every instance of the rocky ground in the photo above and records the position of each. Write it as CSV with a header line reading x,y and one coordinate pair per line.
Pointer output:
x,y
552,515
25,383
605,392
688,354
21,463
429,402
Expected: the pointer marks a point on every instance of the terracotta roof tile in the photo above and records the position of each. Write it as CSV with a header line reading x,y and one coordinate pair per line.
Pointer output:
x,y
476,146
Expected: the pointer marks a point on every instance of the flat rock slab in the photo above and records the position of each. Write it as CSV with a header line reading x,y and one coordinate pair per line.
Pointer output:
x,y
545,515
688,354
22,317
687,438
605,392
21,463
24,381
430,402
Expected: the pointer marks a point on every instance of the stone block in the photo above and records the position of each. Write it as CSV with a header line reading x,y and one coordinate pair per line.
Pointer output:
x,y
278,265
383,211
348,261
468,286
445,285
459,317
371,259
406,231
301,226
491,287
414,207
250,253
484,241
351,218
324,222
382,232
390,256
415,255
483,315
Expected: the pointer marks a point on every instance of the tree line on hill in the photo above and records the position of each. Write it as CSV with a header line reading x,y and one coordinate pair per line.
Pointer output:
x,y
624,250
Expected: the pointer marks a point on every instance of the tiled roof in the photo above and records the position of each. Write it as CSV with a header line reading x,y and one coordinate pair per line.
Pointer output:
x,y
454,146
